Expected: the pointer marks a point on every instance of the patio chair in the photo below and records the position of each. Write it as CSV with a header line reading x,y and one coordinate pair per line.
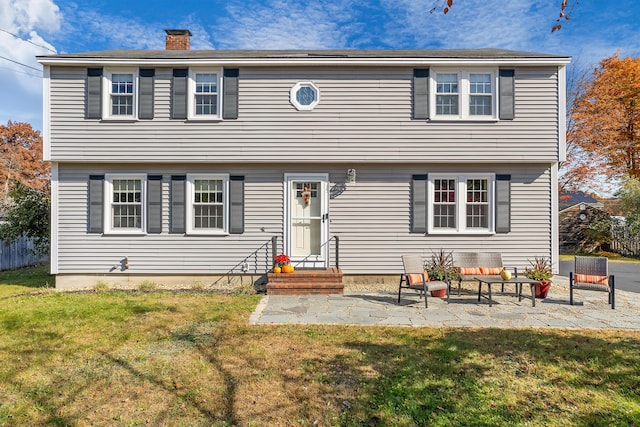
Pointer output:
x,y
592,274
415,278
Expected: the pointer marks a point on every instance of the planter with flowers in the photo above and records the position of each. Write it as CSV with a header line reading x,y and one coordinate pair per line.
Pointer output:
x,y
540,269
441,268
282,264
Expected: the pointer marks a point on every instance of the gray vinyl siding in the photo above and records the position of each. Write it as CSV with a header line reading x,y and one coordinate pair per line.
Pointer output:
x,y
364,115
371,217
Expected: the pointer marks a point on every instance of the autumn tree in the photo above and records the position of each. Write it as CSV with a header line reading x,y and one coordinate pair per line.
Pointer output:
x,y
605,122
28,215
576,172
21,158
629,194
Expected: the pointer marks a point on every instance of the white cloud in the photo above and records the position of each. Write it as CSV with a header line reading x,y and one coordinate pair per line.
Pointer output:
x,y
20,73
284,24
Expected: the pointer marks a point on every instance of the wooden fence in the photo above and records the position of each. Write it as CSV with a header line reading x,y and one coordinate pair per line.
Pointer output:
x,y
18,254
624,242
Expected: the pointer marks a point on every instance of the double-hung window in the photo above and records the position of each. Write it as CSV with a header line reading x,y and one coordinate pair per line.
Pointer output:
x,y
207,204
460,203
204,94
120,94
447,94
464,94
125,198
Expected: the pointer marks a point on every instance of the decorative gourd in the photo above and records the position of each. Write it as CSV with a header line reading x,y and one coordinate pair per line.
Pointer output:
x,y
277,269
505,274
287,269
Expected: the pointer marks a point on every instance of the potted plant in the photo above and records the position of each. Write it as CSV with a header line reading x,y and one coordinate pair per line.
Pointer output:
x,y
540,269
282,264
440,267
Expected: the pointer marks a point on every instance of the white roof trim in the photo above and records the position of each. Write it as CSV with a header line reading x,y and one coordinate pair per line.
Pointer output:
x,y
172,62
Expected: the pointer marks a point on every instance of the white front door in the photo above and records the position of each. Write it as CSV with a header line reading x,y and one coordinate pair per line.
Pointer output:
x,y
307,218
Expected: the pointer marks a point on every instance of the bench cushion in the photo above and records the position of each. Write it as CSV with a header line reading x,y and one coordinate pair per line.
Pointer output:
x,y
491,271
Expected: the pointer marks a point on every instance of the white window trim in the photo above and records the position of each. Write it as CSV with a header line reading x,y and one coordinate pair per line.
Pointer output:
x,y
190,200
464,94
108,201
461,203
191,94
106,94
294,100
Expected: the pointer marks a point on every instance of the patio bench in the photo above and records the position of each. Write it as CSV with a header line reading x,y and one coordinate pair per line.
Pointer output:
x,y
473,264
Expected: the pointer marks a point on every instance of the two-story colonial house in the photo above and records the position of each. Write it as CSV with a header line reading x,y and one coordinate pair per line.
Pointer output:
x,y
179,164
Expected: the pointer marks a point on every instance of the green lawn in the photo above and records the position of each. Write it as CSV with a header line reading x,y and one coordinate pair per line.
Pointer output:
x,y
161,358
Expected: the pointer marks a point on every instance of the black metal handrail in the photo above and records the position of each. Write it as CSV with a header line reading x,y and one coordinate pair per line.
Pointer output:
x,y
274,248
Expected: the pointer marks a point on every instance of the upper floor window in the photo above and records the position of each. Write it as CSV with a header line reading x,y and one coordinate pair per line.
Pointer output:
x,y
304,96
447,96
120,98
464,94
207,204
204,94
125,198
460,203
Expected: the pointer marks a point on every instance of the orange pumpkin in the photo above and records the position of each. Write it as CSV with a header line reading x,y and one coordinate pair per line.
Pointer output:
x,y
287,269
277,269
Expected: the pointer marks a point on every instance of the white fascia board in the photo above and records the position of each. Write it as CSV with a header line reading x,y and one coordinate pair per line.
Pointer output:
x,y
53,243
172,62
562,113
555,230
46,113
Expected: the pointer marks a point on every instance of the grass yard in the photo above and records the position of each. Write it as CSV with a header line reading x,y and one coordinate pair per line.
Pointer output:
x,y
160,358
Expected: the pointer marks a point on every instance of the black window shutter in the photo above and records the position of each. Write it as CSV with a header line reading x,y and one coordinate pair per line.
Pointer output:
x,y
154,204
95,222
507,94
236,208
419,204
503,203
178,204
230,95
179,93
421,93
145,99
94,93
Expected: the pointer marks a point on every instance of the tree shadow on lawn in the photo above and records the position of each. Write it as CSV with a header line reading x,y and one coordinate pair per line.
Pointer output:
x,y
495,377
30,277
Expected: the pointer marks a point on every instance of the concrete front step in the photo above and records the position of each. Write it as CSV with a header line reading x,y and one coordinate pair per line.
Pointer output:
x,y
299,282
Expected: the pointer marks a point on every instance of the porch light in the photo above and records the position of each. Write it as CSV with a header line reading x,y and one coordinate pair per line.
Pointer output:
x,y
351,176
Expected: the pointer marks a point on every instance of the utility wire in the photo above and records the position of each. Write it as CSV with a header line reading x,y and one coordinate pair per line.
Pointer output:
x,y
20,63
28,41
21,72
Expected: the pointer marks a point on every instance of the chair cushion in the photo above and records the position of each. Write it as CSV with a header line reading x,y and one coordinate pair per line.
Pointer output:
x,y
416,278
491,271
471,271
587,278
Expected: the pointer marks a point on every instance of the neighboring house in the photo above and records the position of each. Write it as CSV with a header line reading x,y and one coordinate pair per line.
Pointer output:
x,y
577,198
179,165
578,212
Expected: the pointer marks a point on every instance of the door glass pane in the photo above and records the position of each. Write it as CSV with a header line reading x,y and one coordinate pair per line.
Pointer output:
x,y
306,219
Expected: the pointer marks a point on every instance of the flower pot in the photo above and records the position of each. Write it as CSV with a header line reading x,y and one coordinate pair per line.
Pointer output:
x,y
440,293
542,288
277,269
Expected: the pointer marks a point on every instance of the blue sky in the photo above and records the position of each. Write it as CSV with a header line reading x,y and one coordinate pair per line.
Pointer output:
x,y
597,30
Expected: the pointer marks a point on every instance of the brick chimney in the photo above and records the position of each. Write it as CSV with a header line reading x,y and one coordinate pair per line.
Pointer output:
x,y
178,39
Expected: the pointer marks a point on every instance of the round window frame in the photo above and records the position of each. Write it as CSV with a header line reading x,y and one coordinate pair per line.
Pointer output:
x,y
294,99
